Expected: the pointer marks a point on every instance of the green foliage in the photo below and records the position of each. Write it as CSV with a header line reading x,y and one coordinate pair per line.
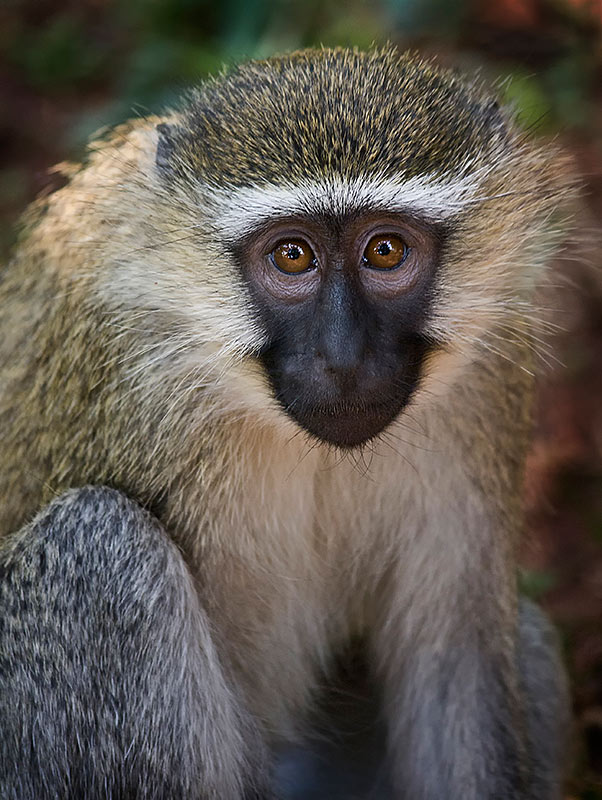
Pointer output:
x,y
535,583
430,17
526,94
58,56
569,80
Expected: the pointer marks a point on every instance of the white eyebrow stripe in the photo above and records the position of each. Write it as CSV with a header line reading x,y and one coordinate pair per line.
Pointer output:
x,y
239,211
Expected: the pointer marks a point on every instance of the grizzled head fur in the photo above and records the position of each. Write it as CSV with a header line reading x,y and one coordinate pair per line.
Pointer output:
x,y
332,112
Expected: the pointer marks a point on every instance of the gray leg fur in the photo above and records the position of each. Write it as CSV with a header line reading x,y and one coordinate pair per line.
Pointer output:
x,y
110,686
548,704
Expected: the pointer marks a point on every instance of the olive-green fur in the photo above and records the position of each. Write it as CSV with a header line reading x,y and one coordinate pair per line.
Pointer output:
x,y
336,112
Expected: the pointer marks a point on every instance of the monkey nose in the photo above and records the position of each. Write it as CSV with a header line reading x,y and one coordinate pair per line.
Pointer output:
x,y
341,355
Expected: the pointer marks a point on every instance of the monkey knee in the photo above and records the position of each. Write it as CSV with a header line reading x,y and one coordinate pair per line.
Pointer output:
x,y
90,534
93,566
95,517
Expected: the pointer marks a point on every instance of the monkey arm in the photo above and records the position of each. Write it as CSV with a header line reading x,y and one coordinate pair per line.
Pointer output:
x,y
545,689
349,762
474,691
456,715
452,692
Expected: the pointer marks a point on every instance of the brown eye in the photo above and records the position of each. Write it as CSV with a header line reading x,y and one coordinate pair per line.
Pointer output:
x,y
293,256
385,252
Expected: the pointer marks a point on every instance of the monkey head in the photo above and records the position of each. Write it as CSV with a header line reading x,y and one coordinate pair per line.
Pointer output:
x,y
348,228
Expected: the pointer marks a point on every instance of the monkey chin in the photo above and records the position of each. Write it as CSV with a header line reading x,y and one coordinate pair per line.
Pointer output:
x,y
348,426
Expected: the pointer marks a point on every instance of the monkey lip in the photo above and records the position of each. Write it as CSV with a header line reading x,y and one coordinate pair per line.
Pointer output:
x,y
349,425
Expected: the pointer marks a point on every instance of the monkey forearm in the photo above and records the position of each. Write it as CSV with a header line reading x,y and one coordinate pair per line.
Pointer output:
x,y
458,731
482,715
453,729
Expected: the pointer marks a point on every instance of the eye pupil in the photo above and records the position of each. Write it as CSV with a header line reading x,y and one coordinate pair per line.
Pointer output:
x,y
383,249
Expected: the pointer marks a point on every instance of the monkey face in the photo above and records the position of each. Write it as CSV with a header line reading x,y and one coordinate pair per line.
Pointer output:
x,y
343,302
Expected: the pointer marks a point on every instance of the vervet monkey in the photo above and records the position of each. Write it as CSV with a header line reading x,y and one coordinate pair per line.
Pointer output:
x,y
265,391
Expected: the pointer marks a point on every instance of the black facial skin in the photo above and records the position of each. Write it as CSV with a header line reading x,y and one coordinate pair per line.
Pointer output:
x,y
345,345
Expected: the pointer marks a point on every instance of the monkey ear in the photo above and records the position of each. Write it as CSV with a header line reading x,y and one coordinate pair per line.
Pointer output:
x,y
166,147
497,119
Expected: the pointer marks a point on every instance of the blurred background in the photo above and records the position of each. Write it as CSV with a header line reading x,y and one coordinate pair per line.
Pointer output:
x,y
69,67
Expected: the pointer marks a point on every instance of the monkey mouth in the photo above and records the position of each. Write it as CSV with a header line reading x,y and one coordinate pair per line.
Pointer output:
x,y
347,425
345,410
